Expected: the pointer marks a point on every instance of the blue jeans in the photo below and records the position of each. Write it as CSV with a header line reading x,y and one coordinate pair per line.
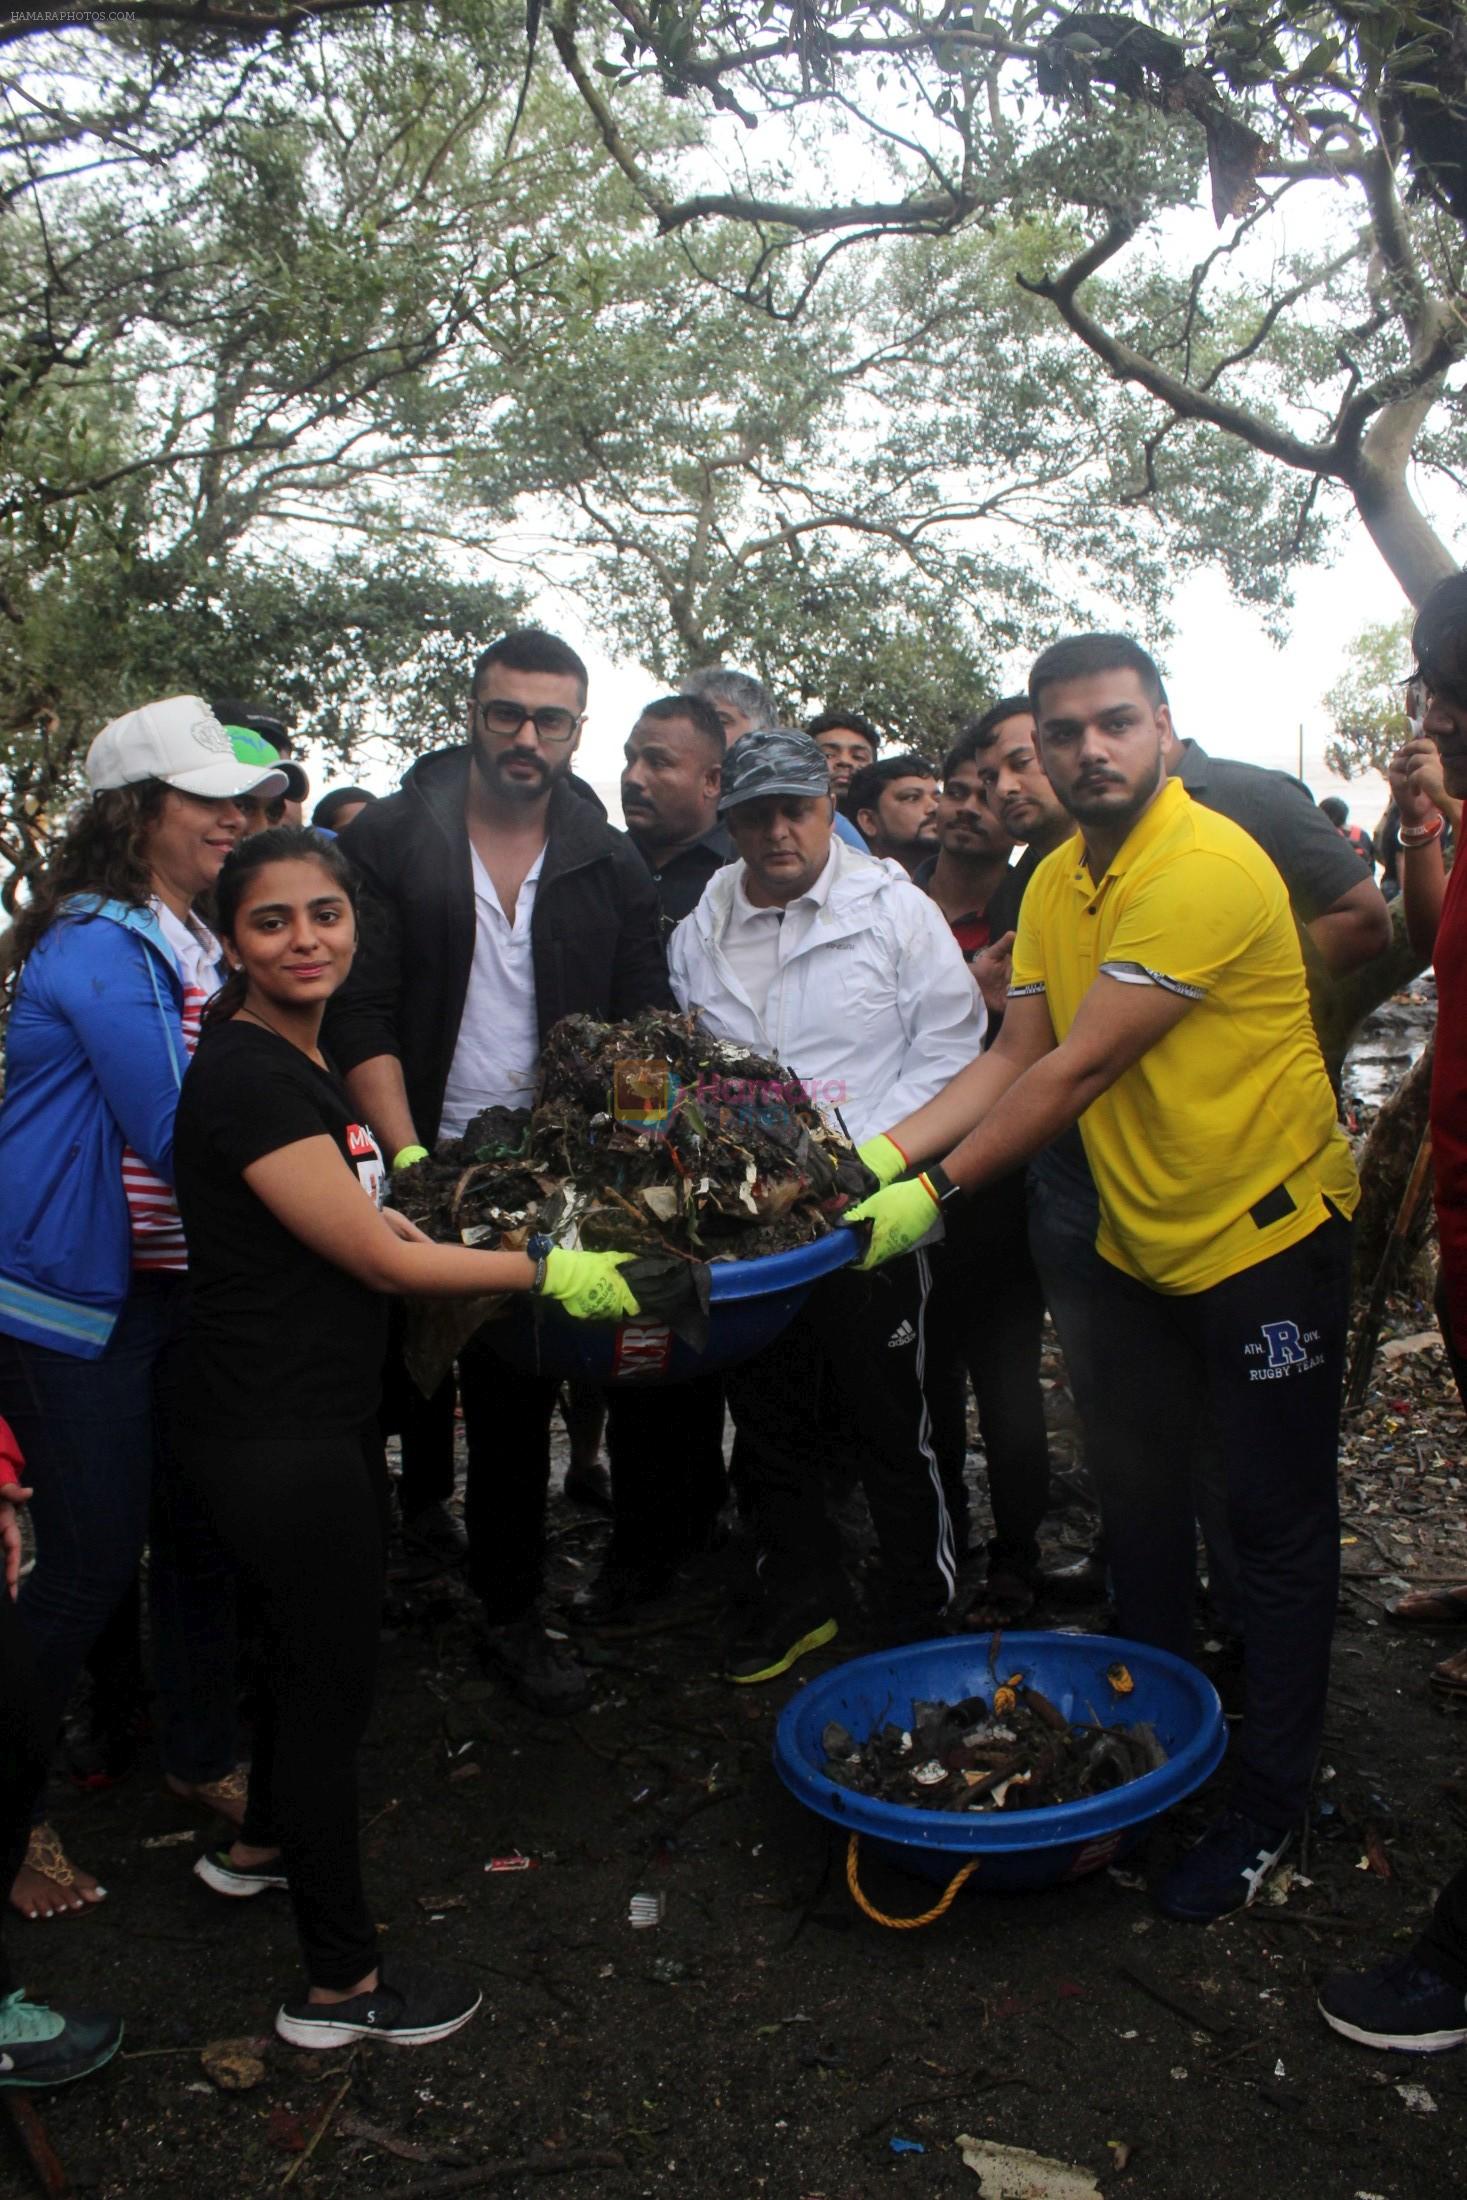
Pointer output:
x,y
94,1437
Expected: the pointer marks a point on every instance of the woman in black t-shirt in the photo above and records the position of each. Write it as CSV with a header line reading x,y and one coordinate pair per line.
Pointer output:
x,y
292,1266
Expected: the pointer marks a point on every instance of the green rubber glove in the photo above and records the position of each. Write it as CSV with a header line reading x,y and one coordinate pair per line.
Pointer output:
x,y
588,1287
406,1156
900,1216
884,1158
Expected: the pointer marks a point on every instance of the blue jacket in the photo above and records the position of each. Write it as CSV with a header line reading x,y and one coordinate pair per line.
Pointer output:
x,y
95,1057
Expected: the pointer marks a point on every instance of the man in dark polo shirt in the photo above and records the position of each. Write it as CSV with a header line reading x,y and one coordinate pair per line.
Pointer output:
x,y
669,798
1341,914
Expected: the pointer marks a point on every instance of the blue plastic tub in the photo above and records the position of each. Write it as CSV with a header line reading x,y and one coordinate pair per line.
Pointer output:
x,y
1031,1848
751,1301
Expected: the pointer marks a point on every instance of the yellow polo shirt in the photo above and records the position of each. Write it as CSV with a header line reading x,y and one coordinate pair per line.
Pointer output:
x,y
1219,1147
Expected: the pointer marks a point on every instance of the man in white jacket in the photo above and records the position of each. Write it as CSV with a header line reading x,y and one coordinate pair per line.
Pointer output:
x,y
835,965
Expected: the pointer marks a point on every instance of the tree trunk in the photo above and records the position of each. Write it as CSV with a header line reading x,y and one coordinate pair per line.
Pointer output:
x,y
1385,1166
1397,526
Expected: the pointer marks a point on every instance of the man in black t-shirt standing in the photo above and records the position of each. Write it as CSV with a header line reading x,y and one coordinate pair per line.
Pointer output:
x,y
495,901
666,1446
669,798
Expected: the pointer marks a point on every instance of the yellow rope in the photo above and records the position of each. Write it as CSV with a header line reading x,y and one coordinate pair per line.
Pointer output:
x,y
939,1908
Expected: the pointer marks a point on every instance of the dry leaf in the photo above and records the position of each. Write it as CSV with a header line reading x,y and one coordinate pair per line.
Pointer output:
x,y
236,2066
1014,2173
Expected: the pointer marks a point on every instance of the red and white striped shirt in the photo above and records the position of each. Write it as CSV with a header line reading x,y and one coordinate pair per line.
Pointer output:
x,y
157,1233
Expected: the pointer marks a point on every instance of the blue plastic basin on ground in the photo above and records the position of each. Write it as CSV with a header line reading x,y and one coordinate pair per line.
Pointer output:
x,y
1031,1848
751,1301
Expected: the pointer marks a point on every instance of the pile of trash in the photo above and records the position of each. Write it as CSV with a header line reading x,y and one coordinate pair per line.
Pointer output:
x,y
1018,1752
646,1137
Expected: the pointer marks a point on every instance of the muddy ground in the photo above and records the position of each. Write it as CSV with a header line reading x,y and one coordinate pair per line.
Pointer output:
x,y
765,2038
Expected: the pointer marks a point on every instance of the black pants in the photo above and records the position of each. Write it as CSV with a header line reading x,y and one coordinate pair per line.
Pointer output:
x,y
305,1518
1263,1354
985,1319
1064,1215
872,1331
655,1439
25,1747
668,1484
423,1427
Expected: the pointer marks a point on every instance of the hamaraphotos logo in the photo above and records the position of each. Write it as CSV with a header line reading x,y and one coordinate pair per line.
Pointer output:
x,y
642,1094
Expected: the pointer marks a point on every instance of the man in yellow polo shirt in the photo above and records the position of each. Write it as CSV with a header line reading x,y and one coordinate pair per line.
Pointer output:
x,y
1159,1000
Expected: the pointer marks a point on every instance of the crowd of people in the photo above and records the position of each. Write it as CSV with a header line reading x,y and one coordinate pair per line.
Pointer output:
x,y
1062,984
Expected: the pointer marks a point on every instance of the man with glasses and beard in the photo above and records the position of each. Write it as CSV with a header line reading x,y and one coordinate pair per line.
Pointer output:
x,y
495,901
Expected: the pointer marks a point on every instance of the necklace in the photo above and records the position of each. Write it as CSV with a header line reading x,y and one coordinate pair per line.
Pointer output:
x,y
265,1021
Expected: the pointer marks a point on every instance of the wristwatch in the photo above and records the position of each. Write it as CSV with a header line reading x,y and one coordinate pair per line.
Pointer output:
x,y
941,1185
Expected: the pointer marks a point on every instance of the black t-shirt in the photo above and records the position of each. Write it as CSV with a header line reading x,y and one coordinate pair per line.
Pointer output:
x,y
279,1339
681,880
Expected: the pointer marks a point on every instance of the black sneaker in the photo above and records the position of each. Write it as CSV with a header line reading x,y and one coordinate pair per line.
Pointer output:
x,y
778,1637
216,1871
412,2009
537,1667
1225,1872
1400,2004
435,1534
618,1590
41,2046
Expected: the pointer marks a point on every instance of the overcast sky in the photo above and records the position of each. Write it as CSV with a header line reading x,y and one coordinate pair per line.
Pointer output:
x,y
1231,688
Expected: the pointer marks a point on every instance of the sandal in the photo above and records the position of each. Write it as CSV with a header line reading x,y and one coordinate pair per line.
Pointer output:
x,y
1451,1675
1443,1607
1004,1599
48,1860
228,1794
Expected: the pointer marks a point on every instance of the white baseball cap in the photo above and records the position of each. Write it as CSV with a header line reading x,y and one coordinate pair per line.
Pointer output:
x,y
181,742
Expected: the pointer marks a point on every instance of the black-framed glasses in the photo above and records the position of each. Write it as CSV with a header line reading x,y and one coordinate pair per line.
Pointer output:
x,y
552,725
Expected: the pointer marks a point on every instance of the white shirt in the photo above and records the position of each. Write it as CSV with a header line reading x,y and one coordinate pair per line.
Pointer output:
x,y
498,1049
195,949
752,942
869,1000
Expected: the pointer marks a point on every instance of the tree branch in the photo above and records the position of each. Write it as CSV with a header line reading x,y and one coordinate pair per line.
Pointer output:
x,y
1128,365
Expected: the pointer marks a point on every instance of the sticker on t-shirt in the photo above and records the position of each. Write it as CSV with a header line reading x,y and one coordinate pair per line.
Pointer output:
x,y
367,1154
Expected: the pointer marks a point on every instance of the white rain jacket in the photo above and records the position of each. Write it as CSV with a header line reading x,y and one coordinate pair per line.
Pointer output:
x,y
873,1007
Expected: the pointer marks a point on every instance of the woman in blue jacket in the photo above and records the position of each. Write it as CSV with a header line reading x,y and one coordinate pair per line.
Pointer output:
x,y
114,970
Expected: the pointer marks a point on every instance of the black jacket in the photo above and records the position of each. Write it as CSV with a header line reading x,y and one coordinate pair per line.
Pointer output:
x,y
595,939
